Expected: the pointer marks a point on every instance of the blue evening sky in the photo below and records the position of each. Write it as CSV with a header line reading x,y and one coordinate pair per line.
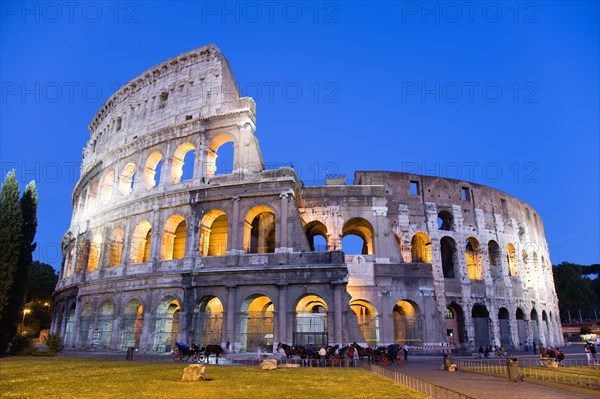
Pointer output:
x,y
500,93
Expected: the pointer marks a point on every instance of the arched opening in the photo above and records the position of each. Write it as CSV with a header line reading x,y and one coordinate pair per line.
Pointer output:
x,y
420,248
108,183
259,230
69,334
132,324
140,242
535,326
152,170
445,221
115,246
208,321
505,332
70,261
362,229
95,252
473,258
126,179
256,324
173,238
180,159
480,317
167,325
82,255
546,327
449,261
310,324
92,197
455,324
219,159
408,326
368,320
85,321
104,325
316,233
214,229
521,327
494,259
511,257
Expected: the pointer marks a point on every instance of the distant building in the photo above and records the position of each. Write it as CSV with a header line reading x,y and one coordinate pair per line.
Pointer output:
x,y
163,246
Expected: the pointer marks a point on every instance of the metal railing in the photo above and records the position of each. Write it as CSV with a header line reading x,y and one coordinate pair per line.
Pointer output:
x,y
426,388
560,376
483,366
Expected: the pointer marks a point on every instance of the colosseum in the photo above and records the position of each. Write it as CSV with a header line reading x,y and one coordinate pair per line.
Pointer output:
x,y
164,247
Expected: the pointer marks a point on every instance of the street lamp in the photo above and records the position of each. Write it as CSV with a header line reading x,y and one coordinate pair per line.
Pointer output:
x,y
25,313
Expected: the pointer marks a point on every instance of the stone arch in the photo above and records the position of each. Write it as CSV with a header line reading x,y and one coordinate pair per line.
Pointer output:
x,y
104,324
480,317
82,255
212,155
108,184
535,326
521,326
316,233
256,323
511,257
546,326
449,257
167,324
408,323
69,334
455,323
361,228
495,259
92,199
420,248
178,161
505,329
310,323
173,238
259,230
214,231
132,324
115,246
85,323
445,220
95,252
208,321
368,320
153,164
140,242
127,179
69,262
473,259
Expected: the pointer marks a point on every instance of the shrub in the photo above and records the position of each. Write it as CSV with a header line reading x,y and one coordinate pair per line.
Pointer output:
x,y
54,342
21,345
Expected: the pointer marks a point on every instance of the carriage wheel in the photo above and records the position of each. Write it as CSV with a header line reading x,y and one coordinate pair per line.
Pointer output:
x,y
385,361
202,358
195,358
177,356
400,358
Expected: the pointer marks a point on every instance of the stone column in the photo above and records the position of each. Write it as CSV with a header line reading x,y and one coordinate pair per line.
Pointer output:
x,y
148,326
233,245
230,317
116,331
280,334
337,313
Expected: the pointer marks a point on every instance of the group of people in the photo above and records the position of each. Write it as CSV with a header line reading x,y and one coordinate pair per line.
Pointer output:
x,y
492,350
550,355
590,352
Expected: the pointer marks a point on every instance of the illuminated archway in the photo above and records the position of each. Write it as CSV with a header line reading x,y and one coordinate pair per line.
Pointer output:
x,y
173,238
179,160
167,325
473,259
362,229
225,164
408,325
115,247
259,230
420,248
511,257
208,321
104,324
140,242
108,183
153,165
132,324
368,320
127,178
310,324
256,324
95,252
214,229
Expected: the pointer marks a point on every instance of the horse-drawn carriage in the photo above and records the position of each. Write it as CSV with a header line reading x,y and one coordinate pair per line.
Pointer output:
x,y
309,356
184,353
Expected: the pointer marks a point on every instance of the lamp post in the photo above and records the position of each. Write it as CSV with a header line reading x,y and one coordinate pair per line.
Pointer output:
x,y
25,313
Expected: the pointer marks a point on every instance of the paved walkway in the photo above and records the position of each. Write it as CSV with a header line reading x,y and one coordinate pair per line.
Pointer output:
x,y
480,385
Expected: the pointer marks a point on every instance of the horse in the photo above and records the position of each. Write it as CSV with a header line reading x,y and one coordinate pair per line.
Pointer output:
x,y
362,352
213,349
290,351
395,353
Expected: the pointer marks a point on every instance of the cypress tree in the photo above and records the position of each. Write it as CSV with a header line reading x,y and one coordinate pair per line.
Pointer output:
x,y
11,240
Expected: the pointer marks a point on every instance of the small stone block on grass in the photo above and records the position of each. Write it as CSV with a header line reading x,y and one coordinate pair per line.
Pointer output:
x,y
268,364
194,372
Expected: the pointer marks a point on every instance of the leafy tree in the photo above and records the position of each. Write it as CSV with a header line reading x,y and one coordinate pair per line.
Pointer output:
x,y
11,239
41,282
575,290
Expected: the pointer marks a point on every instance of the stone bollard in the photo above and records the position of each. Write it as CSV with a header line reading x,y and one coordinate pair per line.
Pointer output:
x,y
268,364
193,373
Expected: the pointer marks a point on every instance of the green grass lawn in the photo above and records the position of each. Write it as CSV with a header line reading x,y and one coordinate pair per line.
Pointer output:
x,y
63,377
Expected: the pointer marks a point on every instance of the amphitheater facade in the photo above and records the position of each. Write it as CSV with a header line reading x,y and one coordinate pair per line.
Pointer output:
x,y
164,246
